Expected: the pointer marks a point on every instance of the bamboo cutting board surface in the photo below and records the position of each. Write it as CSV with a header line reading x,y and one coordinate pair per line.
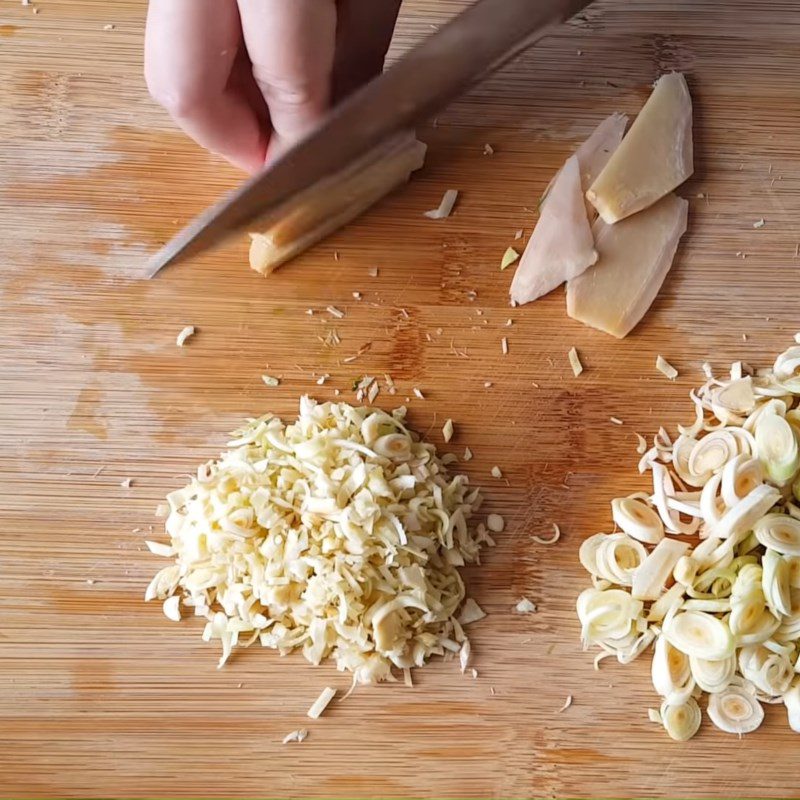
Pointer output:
x,y
100,695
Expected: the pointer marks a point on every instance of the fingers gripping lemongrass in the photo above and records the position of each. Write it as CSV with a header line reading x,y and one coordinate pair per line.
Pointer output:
x,y
723,609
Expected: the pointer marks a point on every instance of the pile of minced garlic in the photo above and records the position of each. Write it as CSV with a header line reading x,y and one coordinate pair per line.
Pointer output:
x,y
706,568
340,534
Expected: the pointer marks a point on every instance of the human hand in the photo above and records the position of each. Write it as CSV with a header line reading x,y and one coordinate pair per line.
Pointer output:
x,y
247,79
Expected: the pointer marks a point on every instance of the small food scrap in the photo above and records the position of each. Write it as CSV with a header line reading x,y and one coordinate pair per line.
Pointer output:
x,y
567,704
418,394
467,454
470,612
445,206
496,472
127,483
504,345
464,655
525,606
635,257
495,523
321,703
548,540
616,421
172,609
447,430
518,234
373,272
759,223
322,378
474,674
665,368
654,158
185,333
509,257
575,362
488,150
269,380
641,447
356,295
335,312
295,736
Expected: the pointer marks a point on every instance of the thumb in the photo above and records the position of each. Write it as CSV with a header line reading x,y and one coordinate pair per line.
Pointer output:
x,y
291,45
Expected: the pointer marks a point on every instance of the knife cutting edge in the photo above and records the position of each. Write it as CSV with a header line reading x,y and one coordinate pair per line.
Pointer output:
x,y
477,42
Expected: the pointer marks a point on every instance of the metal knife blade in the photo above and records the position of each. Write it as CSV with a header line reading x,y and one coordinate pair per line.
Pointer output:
x,y
478,41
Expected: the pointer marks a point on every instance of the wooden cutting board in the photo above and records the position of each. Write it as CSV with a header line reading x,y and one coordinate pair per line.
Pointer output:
x,y
101,696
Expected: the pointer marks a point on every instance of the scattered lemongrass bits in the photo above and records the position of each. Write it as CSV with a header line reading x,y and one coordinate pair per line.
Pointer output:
x,y
274,542
721,611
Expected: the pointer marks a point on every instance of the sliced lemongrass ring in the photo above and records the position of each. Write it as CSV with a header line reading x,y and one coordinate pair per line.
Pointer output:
x,y
699,634
735,710
681,721
779,532
637,519
713,676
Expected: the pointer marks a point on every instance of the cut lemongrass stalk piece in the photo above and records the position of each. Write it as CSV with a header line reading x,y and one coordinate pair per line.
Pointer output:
x,y
445,206
575,362
665,368
649,578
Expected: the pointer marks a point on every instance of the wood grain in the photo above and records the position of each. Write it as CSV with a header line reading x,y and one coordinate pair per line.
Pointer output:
x,y
100,696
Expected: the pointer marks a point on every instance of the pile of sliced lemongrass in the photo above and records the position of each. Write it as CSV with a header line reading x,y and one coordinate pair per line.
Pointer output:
x,y
706,568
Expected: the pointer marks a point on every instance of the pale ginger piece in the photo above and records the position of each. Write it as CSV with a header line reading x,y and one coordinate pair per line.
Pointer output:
x,y
653,159
334,202
561,245
635,257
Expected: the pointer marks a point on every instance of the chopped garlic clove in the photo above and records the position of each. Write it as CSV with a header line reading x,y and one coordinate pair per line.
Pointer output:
x,y
653,159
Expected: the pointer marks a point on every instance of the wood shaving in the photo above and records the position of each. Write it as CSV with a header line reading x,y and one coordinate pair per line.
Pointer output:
x,y
552,539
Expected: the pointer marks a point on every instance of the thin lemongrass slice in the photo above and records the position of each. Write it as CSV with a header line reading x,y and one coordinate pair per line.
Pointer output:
x,y
793,563
681,721
663,488
771,673
787,367
713,676
649,579
775,582
733,400
792,702
618,558
445,205
742,518
670,673
779,532
606,614
587,554
712,452
699,634
671,600
712,507
718,606
777,448
739,477
681,452
735,710
637,519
